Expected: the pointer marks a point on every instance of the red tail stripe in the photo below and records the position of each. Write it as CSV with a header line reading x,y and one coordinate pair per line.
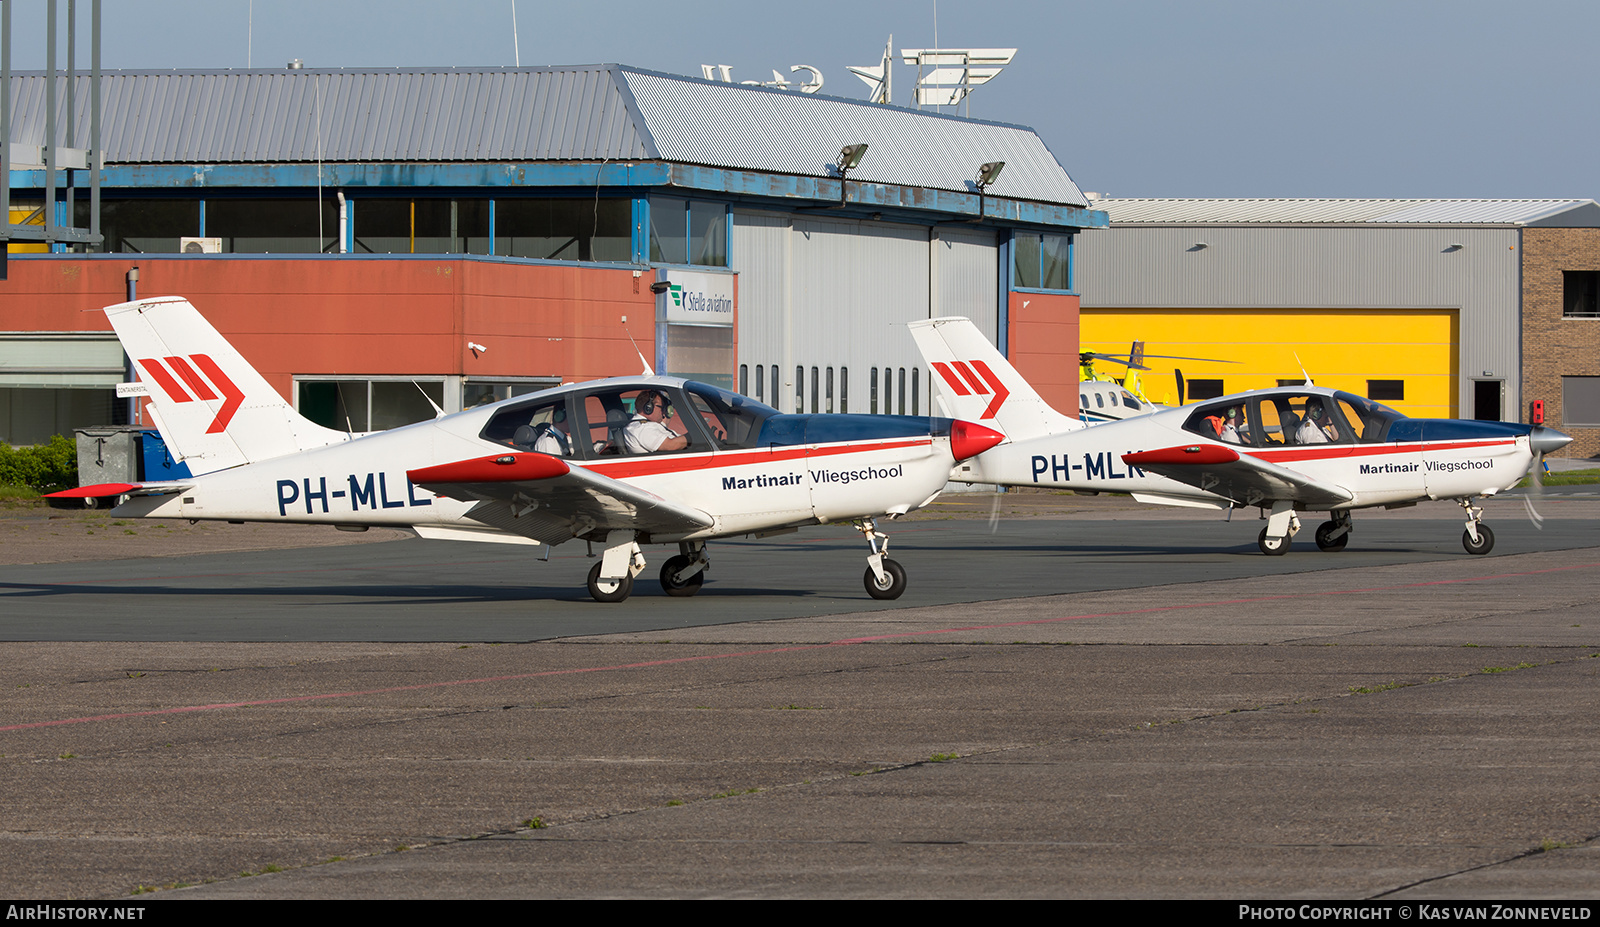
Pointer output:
x,y
201,390
971,378
1000,391
169,385
234,395
952,379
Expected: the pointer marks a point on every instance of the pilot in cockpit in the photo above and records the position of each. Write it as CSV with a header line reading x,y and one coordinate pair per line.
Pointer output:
x,y
645,433
1316,427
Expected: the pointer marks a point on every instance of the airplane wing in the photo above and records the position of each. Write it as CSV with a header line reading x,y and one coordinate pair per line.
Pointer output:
x,y
544,498
1245,479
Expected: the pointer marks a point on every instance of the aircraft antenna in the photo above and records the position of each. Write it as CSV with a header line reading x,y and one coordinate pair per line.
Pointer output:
x,y
1302,366
648,370
437,412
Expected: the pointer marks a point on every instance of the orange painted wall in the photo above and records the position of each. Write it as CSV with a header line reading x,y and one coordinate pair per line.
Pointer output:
x,y
368,317
1043,341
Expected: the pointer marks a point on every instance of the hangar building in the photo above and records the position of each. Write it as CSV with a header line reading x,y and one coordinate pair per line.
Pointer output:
x,y
1467,308
485,232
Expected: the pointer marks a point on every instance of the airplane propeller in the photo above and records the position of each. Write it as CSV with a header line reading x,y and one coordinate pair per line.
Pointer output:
x,y
1542,440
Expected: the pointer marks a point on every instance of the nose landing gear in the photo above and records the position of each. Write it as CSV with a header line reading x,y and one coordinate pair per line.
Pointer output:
x,y
884,579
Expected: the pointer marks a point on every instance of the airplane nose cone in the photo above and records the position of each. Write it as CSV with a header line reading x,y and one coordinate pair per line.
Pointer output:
x,y
968,439
1548,440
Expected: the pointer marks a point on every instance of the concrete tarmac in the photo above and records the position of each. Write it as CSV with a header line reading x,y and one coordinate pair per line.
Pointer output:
x,y
1400,721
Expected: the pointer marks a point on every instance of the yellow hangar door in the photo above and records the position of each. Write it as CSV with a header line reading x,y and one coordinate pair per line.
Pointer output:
x,y
1404,358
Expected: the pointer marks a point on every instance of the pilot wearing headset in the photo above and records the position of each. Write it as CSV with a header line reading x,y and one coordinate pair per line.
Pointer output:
x,y
645,433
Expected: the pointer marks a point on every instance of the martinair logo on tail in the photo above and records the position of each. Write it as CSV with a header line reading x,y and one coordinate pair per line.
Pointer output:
x,y
978,386
233,396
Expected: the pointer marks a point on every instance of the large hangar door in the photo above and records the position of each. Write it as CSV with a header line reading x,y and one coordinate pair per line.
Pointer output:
x,y
823,307
966,275
1404,358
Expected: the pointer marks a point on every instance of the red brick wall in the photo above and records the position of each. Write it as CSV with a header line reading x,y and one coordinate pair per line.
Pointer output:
x,y
1552,346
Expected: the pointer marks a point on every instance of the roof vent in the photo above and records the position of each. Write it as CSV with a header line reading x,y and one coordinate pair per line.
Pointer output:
x,y
296,64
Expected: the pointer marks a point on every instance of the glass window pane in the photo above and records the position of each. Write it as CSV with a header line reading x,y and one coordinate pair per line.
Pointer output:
x,y
273,226
337,404
1055,257
564,229
143,226
669,226
396,403
1025,251
708,234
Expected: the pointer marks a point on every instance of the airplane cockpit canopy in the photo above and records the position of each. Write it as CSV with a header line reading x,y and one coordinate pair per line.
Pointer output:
x,y
1289,417
590,422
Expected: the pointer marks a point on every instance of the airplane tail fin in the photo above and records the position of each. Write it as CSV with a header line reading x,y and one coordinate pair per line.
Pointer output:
x,y
975,382
212,408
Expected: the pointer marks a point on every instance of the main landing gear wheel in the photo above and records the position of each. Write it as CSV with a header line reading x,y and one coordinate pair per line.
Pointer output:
x,y
604,590
894,581
1273,547
686,588
1483,545
1326,543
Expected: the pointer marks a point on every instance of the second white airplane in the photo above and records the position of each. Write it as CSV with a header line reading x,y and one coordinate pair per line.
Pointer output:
x,y
1286,450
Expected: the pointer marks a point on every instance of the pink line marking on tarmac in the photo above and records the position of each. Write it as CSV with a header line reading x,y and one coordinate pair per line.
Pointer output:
x,y
799,648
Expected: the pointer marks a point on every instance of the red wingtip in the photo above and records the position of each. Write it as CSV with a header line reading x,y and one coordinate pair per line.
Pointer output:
x,y
968,439
94,492
502,468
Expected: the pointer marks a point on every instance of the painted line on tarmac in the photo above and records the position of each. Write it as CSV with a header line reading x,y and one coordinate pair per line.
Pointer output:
x,y
799,648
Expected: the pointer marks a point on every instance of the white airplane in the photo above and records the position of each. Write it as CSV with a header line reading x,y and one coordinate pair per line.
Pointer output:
x,y
546,467
1284,450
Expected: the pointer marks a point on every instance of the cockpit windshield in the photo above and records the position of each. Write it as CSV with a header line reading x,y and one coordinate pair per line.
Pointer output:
x,y
734,420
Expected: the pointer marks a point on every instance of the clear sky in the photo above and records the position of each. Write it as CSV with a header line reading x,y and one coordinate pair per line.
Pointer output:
x,y
1465,98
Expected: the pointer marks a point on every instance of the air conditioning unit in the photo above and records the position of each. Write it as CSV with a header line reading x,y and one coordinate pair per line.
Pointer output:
x,y
200,245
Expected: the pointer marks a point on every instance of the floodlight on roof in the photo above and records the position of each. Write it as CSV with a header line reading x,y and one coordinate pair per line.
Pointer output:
x,y
850,156
989,173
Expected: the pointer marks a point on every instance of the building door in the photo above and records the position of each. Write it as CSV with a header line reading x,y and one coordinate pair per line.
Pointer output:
x,y
1486,399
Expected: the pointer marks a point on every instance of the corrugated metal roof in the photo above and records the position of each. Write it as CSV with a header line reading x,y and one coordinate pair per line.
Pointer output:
x,y
214,117
728,125
1134,210
587,113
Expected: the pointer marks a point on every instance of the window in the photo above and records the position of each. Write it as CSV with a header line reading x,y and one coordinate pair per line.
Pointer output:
x,y
799,390
872,392
1205,389
1386,390
1580,294
587,229
844,389
368,405
829,407
901,390
1041,262
685,232
1580,401
273,226
814,382
143,226
915,390
477,392
761,372
420,226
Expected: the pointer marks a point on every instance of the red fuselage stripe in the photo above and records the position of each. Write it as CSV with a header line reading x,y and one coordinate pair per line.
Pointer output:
x,y
1332,451
650,466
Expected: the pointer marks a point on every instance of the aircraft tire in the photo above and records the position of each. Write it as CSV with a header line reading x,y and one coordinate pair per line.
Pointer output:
x,y
894,574
1484,544
617,593
686,588
1272,547
1338,543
